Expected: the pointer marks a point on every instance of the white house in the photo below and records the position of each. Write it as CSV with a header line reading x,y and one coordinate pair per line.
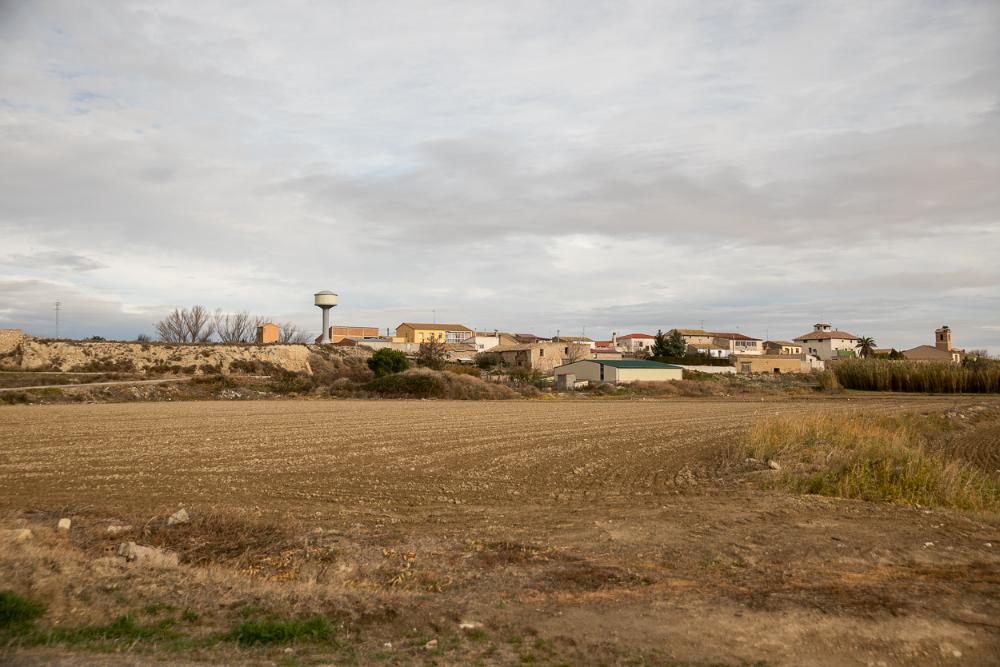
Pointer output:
x,y
635,342
737,343
827,343
484,340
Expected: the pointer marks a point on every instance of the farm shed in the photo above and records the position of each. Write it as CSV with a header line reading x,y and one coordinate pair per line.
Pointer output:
x,y
268,333
619,371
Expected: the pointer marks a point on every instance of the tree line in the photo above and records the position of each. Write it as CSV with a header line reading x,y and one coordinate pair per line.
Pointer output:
x,y
199,325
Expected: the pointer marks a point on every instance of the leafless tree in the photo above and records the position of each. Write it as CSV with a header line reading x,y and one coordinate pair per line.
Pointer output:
x,y
291,333
198,325
183,325
576,352
238,327
171,328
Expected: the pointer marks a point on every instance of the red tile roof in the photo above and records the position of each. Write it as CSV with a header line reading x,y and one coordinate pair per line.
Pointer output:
x,y
635,335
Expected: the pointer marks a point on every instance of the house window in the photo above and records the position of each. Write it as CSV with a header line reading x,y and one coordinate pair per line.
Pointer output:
x,y
541,352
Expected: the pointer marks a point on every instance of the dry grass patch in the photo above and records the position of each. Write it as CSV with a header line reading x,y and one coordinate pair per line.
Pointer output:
x,y
882,459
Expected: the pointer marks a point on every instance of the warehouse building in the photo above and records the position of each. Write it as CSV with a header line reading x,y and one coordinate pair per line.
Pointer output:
x,y
616,371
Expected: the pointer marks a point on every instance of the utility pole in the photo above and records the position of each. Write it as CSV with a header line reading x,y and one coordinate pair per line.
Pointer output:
x,y
58,306
434,314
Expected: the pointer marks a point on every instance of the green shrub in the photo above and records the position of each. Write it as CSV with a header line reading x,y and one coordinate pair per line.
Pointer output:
x,y
487,360
251,633
526,376
433,354
388,361
408,385
289,382
17,611
123,628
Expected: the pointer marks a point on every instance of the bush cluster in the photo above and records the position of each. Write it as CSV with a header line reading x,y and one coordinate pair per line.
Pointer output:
x,y
883,459
883,375
427,383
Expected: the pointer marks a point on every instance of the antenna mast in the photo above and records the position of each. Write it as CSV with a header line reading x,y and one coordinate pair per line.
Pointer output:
x,y
58,306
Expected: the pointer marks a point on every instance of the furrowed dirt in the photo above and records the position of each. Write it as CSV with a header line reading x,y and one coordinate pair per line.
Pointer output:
x,y
574,532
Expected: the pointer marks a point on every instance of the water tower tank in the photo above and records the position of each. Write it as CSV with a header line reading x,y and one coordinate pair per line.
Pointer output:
x,y
325,298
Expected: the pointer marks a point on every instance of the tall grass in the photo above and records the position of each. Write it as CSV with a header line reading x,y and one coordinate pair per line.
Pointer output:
x,y
884,375
881,459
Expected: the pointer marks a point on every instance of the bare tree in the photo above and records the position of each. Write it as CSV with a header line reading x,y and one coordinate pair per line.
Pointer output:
x,y
198,326
291,333
238,327
182,325
575,352
171,328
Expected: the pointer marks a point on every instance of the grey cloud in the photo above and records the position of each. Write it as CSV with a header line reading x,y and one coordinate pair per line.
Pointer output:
x,y
557,165
51,260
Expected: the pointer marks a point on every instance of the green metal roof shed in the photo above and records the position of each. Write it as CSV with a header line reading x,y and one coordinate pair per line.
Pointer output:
x,y
617,371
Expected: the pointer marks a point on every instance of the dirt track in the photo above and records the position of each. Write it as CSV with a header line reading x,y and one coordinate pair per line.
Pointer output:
x,y
584,532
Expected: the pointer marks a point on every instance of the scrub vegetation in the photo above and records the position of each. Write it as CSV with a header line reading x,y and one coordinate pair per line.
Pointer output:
x,y
874,458
885,375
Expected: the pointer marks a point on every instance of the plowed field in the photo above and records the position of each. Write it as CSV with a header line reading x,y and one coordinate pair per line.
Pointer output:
x,y
300,456
575,532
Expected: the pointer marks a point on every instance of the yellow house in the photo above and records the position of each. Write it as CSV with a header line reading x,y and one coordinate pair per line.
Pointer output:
x,y
268,333
418,332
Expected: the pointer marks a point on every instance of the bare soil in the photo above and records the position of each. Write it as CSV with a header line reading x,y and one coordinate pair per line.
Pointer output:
x,y
575,532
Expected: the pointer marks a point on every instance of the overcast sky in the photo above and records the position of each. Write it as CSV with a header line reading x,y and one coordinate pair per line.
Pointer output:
x,y
529,166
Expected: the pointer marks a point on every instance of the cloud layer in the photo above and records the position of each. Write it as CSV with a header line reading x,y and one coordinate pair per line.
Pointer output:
x,y
527,166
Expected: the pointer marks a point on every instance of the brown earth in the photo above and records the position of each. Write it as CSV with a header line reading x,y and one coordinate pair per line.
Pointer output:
x,y
576,532
26,353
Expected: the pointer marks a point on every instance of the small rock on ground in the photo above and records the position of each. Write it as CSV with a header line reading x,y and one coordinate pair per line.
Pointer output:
x,y
180,516
135,553
64,524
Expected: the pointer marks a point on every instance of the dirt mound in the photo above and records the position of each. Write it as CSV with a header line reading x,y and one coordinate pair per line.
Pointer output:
x,y
34,354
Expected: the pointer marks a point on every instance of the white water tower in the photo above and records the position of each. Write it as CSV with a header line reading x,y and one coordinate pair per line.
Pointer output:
x,y
325,300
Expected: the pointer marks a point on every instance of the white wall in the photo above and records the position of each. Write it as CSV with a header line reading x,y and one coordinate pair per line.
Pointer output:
x,y
647,374
718,370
